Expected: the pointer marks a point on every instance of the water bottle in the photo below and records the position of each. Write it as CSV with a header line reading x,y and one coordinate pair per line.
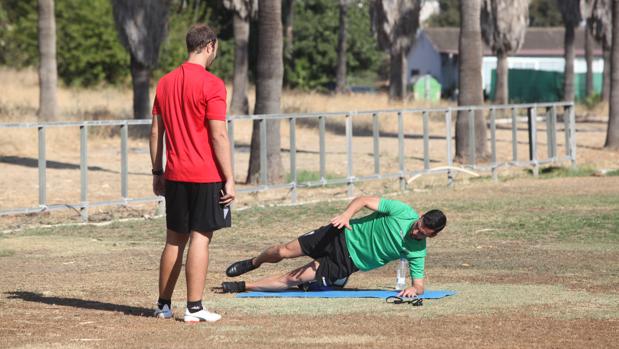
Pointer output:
x,y
400,274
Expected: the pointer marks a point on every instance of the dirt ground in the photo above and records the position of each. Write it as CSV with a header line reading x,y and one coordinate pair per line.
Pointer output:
x,y
534,263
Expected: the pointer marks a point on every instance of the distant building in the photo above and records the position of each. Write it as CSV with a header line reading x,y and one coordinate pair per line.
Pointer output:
x,y
435,52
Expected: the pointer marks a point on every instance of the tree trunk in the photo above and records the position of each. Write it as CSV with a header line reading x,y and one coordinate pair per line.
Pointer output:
x,y
341,48
397,75
568,82
502,71
48,75
269,78
612,133
589,59
469,81
239,104
606,74
140,77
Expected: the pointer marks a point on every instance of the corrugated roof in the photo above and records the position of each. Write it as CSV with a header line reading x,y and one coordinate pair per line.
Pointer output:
x,y
539,41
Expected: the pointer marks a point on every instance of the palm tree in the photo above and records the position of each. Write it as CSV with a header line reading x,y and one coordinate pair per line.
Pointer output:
x,y
469,80
48,73
243,11
395,23
287,19
269,79
612,133
141,27
572,16
600,25
340,75
504,25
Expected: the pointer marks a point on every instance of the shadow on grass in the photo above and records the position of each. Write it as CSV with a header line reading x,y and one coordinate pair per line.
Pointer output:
x,y
79,303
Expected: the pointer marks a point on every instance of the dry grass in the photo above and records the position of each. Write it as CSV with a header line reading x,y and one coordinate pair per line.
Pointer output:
x,y
514,276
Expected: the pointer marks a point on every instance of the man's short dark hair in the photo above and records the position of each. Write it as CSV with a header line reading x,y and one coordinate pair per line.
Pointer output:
x,y
435,220
198,37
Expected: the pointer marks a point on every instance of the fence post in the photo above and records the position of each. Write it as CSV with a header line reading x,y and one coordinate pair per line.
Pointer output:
x,y
553,133
84,172
231,140
349,155
514,135
401,151
472,138
376,138
532,121
321,143
124,162
450,179
573,136
42,168
293,160
263,153
426,141
493,143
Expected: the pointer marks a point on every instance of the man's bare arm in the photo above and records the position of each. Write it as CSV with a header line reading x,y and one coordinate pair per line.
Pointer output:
x,y
156,152
343,219
416,289
221,147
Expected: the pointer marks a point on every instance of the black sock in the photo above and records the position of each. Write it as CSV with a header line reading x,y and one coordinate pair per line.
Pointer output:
x,y
161,302
194,306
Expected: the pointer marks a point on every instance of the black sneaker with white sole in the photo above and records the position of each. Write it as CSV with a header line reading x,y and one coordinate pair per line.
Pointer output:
x,y
240,268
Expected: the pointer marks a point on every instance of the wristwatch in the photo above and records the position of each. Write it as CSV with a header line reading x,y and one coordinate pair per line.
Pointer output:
x,y
157,172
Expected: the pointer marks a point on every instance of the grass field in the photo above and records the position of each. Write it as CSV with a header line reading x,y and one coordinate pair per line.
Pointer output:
x,y
535,263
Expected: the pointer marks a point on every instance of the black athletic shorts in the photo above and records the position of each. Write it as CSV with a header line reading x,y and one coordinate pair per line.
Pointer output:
x,y
327,245
195,206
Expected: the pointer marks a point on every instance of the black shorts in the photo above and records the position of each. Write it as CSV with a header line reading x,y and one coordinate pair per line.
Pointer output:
x,y
195,207
327,245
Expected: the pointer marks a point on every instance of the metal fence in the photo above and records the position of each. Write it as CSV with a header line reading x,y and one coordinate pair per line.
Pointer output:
x,y
514,116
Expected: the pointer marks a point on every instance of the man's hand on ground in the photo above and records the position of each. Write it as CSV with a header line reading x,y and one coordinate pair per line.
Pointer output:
x,y
228,193
408,292
340,221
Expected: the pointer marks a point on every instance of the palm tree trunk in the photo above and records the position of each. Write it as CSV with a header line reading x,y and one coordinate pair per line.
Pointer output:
x,y
239,104
48,74
606,74
269,78
469,81
502,72
568,82
341,49
288,18
612,133
589,60
397,75
140,77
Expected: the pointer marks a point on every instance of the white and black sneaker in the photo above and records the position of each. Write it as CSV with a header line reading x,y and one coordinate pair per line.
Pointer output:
x,y
201,315
164,312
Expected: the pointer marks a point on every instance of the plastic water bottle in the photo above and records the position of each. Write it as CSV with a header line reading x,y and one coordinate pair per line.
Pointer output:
x,y
400,274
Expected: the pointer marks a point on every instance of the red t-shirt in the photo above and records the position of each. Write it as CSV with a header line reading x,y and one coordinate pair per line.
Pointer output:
x,y
186,99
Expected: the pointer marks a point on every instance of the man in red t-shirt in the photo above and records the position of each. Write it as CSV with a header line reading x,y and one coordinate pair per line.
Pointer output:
x,y
198,184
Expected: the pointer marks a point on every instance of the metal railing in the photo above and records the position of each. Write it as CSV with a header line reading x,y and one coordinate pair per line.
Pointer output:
x,y
551,111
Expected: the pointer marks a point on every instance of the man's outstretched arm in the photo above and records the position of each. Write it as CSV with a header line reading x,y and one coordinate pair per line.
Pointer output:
x,y
343,219
416,289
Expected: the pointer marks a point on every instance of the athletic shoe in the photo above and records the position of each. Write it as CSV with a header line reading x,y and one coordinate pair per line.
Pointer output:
x,y
202,315
240,268
233,286
164,313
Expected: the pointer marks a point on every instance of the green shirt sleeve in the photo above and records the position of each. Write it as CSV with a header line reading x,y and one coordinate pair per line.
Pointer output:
x,y
416,267
394,207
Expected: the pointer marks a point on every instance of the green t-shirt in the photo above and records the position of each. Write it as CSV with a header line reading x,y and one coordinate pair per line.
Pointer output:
x,y
382,237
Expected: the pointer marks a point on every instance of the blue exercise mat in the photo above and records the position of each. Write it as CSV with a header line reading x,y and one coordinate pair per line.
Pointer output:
x,y
341,294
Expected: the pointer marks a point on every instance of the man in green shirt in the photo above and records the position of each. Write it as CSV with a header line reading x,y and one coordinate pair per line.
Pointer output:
x,y
345,246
